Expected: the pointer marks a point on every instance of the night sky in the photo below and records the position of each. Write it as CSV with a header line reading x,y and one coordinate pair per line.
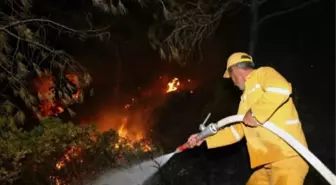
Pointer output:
x,y
300,45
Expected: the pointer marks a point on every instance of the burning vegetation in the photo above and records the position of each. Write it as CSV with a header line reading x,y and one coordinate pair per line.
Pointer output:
x,y
131,122
133,119
73,152
52,101
63,153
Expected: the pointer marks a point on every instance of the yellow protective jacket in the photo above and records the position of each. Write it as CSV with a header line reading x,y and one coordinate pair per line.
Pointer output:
x,y
267,94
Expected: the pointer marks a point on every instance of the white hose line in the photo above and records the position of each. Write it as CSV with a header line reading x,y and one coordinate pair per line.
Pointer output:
x,y
301,149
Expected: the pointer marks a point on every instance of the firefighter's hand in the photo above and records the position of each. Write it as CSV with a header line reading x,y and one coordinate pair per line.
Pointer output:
x,y
250,120
193,141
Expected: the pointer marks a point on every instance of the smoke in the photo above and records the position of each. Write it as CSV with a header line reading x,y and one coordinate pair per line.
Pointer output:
x,y
138,174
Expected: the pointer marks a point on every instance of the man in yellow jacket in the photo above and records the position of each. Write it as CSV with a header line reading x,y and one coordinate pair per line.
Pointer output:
x,y
266,97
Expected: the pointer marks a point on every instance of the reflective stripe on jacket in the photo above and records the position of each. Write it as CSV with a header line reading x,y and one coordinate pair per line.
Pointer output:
x,y
267,94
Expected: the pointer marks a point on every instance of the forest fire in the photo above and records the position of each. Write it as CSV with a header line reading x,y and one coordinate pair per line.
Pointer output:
x,y
74,152
131,121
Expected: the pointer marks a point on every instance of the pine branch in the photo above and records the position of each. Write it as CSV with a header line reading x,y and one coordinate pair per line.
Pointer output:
x,y
58,25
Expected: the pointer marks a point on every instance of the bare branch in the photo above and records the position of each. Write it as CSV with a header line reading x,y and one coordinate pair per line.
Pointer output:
x,y
193,22
285,11
54,25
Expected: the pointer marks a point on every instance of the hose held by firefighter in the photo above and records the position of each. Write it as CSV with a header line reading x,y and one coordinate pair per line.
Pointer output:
x,y
266,97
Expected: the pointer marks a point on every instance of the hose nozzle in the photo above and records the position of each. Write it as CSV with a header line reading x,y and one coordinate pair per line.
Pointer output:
x,y
209,130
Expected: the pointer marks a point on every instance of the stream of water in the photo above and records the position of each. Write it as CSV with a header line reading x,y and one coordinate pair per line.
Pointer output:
x,y
137,174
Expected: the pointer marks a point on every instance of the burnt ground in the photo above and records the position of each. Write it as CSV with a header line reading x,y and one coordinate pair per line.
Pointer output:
x,y
223,166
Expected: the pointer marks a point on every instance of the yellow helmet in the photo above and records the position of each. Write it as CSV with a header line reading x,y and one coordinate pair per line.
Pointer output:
x,y
236,58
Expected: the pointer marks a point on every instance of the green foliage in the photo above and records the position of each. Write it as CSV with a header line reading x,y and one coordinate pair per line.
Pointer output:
x,y
32,157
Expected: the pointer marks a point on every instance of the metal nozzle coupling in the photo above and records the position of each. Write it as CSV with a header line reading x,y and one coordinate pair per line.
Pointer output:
x,y
209,130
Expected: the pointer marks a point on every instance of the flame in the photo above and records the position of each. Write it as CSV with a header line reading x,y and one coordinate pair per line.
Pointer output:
x,y
73,79
122,131
45,87
131,138
57,180
72,153
173,85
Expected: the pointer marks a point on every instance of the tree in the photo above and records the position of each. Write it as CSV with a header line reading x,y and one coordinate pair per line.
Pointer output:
x,y
197,20
257,20
182,26
25,55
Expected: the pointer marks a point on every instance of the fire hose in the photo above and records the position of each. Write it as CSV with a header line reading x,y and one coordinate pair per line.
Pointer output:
x,y
212,129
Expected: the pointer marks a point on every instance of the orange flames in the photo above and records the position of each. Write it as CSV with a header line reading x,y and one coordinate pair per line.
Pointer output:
x,y
45,87
176,85
124,133
72,153
131,128
56,180
173,85
132,125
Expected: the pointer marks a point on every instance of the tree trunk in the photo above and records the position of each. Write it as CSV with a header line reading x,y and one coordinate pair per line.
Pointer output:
x,y
253,27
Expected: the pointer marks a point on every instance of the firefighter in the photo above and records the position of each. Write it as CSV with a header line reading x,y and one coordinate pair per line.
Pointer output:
x,y
266,97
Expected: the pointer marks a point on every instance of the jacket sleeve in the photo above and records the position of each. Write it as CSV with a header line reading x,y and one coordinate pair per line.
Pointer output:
x,y
226,136
276,92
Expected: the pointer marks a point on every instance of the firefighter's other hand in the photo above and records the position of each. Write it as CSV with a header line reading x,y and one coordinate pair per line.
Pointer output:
x,y
250,120
193,141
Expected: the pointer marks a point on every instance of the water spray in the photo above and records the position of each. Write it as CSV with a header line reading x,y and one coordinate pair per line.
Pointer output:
x,y
141,173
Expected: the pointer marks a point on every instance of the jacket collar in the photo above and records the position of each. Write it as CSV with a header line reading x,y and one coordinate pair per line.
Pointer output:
x,y
249,76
